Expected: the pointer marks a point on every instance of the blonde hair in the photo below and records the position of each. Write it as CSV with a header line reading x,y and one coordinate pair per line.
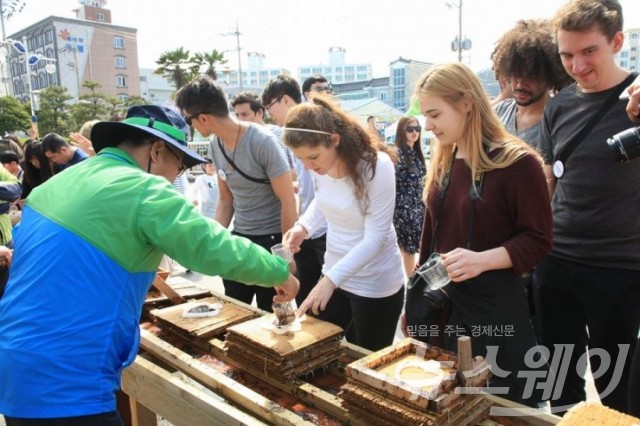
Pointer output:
x,y
455,82
85,130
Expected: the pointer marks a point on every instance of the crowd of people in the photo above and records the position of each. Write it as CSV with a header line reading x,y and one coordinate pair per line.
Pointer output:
x,y
522,200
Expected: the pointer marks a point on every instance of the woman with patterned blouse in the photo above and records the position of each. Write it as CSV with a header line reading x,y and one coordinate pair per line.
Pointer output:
x,y
410,171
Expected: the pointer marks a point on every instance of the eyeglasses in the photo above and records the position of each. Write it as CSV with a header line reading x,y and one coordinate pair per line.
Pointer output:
x,y
413,129
189,118
268,107
181,166
325,89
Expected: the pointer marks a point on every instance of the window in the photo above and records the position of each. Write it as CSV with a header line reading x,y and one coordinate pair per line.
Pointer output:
x,y
121,62
123,97
143,78
121,81
118,42
100,16
48,37
398,77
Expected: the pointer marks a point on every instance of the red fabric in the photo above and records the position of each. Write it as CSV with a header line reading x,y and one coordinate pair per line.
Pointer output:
x,y
514,211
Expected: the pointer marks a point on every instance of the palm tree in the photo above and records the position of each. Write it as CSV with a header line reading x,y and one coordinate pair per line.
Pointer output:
x,y
210,60
177,66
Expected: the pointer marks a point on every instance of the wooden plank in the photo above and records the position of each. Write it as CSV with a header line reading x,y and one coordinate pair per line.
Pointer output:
x,y
307,392
531,416
141,415
313,330
203,328
165,288
176,401
221,384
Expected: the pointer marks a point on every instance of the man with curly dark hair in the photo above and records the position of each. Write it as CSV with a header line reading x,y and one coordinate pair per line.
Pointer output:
x,y
527,56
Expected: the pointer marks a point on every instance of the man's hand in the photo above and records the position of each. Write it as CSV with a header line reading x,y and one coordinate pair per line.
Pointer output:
x,y
83,143
288,290
5,256
633,106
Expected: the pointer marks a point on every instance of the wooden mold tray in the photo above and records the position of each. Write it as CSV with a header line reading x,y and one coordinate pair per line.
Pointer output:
x,y
202,328
283,346
379,371
284,356
376,409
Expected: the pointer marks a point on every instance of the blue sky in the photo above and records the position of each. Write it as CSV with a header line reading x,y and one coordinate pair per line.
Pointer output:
x,y
293,33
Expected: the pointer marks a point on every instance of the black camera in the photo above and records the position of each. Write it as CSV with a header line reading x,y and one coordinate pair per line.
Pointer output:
x,y
625,145
437,298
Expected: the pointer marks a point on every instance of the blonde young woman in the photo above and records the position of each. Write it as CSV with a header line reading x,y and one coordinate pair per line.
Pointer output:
x,y
361,288
488,215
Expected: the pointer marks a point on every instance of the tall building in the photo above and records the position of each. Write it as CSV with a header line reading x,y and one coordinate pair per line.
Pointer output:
x,y
629,55
89,47
403,75
155,88
255,74
337,71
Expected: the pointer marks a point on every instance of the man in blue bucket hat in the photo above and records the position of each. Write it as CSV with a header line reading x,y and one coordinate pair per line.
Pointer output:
x,y
85,254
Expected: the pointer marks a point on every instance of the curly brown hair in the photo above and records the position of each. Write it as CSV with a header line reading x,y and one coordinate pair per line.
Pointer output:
x,y
323,114
529,50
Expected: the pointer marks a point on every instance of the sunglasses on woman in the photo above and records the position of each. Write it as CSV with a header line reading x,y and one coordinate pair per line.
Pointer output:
x,y
413,129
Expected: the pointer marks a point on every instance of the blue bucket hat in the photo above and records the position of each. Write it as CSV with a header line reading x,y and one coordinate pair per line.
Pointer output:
x,y
158,121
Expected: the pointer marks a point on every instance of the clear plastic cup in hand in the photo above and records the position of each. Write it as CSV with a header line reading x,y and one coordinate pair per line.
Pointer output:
x,y
282,251
285,312
434,273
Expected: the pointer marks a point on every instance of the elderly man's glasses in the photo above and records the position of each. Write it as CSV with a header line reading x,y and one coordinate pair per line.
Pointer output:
x,y
278,99
411,129
181,166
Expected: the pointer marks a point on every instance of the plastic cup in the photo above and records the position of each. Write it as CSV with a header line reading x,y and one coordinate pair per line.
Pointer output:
x,y
282,251
434,272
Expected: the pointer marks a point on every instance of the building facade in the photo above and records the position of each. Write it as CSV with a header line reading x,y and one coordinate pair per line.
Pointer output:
x,y
256,75
403,75
87,48
629,55
337,71
155,88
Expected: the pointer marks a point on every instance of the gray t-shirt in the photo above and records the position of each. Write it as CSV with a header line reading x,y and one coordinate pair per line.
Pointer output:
x,y
596,201
506,110
257,210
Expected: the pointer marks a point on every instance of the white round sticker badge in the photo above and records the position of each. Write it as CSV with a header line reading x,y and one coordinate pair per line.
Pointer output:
x,y
558,169
222,174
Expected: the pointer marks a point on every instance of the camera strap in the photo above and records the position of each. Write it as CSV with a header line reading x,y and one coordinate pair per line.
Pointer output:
x,y
560,159
474,193
240,172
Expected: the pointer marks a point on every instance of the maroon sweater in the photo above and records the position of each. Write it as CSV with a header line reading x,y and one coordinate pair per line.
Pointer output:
x,y
514,211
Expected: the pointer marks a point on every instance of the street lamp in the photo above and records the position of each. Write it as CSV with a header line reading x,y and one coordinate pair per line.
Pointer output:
x,y
30,59
8,8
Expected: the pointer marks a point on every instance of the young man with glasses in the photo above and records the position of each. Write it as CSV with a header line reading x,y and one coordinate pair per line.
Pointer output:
x,y
315,84
254,179
84,261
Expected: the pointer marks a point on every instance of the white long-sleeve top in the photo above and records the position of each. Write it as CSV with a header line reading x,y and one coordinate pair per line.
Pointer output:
x,y
362,254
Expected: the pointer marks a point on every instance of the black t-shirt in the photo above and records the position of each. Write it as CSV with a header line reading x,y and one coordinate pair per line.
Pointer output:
x,y
596,204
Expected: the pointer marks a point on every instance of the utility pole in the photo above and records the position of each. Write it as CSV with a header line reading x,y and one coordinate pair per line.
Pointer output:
x,y
459,30
238,49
